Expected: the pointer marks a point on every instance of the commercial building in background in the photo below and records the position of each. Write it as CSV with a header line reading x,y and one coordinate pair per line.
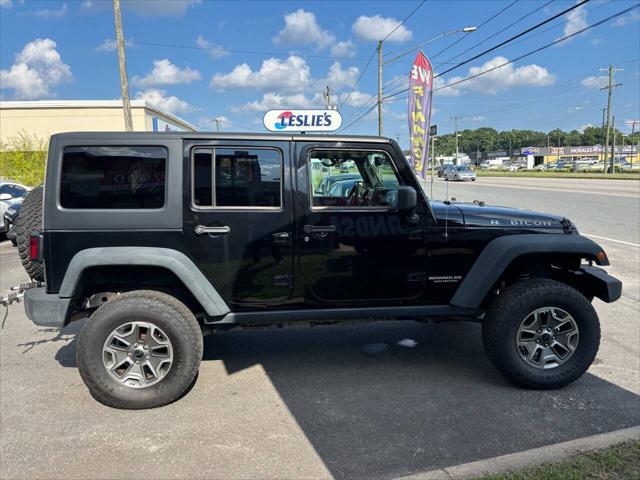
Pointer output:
x,y
594,153
41,119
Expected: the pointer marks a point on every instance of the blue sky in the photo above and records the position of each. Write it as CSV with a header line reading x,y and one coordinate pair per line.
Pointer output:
x,y
202,59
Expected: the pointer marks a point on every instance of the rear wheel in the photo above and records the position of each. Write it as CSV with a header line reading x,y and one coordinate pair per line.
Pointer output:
x,y
28,220
541,334
140,350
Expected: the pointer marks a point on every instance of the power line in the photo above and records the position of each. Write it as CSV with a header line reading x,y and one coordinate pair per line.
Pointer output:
x,y
495,15
507,41
244,52
559,24
405,19
358,81
500,31
495,47
555,42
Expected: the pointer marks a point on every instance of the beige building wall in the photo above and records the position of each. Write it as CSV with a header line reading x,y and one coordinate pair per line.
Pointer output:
x,y
42,119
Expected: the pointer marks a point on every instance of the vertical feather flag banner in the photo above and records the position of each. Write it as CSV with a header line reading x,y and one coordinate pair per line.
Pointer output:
x,y
420,93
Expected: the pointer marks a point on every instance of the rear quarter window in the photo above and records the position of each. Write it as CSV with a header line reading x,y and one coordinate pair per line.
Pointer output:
x,y
113,177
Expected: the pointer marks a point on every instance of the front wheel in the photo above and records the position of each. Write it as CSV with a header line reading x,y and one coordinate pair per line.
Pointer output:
x,y
140,350
541,334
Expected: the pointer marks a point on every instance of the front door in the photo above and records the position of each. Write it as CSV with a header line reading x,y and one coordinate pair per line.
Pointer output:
x,y
238,219
354,245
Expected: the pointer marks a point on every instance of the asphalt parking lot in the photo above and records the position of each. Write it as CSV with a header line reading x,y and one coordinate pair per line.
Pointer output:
x,y
319,403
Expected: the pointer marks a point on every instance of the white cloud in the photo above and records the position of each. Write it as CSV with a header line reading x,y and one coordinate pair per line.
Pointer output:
x,y
345,48
159,8
631,17
356,99
292,74
273,100
594,82
582,128
38,68
109,45
6,4
377,27
214,51
337,78
52,12
576,21
504,78
301,28
160,99
166,73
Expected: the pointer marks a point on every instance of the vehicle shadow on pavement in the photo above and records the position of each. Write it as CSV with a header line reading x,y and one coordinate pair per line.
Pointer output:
x,y
375,409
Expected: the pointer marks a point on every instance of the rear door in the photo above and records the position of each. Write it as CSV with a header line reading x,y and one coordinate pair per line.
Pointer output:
x,y
238,218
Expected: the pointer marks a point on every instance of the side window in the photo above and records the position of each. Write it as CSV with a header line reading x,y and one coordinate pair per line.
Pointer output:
x,y
352,178
236,177
6,188
112,177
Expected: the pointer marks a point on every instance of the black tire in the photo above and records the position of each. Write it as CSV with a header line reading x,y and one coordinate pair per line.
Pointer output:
x,y
500,327
159,309
29,219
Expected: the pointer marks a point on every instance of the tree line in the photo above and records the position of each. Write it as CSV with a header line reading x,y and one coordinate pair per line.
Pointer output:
x,y
487,139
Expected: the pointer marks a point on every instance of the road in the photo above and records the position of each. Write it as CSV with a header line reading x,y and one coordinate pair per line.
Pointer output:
x,y
317,403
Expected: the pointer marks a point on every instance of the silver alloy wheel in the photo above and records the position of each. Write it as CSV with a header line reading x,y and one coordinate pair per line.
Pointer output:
x,y
547,337
137,354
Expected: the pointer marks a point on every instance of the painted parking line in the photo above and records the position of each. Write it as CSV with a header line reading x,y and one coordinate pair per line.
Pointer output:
x,y
611,240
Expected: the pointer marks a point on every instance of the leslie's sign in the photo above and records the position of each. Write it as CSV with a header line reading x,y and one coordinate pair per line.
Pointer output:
x,y
302,120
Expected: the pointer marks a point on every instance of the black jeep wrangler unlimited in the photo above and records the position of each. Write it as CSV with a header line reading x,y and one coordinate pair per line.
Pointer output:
x,y
157,238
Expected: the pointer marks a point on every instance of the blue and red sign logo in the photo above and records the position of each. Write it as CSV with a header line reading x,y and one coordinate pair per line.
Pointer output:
x,y
302,120
283,120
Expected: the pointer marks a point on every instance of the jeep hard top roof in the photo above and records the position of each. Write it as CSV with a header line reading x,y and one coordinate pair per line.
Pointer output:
x,y
300,137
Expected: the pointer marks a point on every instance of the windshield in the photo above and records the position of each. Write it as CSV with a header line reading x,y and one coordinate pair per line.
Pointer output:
x,y
463,168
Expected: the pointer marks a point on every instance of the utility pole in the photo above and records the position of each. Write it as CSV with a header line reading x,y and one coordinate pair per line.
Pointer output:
x,y
613,145
327,99
602,131
433,161
217,124
380,88
610,88
455,120
122,62
633,130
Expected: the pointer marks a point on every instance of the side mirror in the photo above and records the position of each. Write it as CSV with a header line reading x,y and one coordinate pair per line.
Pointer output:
x,y
407,198
5,196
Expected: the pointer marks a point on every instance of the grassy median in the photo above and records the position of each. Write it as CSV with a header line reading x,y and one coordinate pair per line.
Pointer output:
x,y
614,463
523,174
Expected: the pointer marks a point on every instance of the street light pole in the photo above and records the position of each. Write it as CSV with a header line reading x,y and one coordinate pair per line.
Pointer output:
x,y
380,88
406,52
122,63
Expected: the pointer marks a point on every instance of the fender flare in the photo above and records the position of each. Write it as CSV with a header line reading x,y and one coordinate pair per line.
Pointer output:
x,y
173,260
501,251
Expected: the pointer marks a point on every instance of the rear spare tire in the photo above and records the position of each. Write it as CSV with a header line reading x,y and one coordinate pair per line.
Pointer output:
x,y
29,219
140,350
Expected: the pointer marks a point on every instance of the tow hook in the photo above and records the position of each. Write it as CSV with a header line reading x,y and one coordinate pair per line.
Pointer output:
x,y
15,295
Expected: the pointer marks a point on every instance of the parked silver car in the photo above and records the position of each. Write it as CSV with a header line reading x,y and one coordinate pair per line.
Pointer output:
x,y
459,173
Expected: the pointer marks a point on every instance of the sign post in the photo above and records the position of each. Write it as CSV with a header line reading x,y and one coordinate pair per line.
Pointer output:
x,y
420,92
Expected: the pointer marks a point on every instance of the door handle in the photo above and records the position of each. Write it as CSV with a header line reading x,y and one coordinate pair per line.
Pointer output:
x,y
223,230
319,228
281,238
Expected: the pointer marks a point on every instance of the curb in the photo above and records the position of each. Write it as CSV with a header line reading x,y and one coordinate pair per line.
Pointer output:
x,y
535,456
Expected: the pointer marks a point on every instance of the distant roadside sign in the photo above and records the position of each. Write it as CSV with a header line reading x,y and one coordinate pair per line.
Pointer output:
x,y
302,120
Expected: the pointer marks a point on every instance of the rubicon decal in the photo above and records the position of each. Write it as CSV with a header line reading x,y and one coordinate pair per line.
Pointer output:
x,y
302,120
